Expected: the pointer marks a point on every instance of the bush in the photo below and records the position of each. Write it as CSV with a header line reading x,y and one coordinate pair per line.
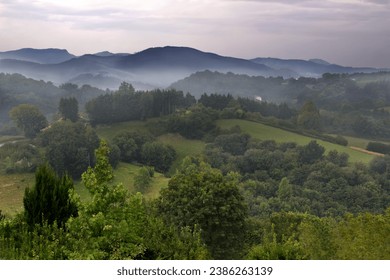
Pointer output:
x,y
19,158
378,147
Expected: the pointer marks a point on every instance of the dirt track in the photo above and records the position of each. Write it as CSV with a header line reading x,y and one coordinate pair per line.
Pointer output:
x,y
366,151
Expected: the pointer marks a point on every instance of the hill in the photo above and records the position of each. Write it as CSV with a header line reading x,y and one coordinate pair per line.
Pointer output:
x,y
265,132
43,56
151,68
310,68
16,89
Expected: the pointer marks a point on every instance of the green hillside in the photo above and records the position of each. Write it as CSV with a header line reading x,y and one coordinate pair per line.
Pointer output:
x,y
184,147
264,132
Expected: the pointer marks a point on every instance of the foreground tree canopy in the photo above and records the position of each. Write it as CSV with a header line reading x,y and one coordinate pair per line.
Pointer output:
x,y
201,196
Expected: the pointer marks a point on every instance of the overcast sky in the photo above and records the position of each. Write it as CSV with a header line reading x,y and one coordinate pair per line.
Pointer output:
x,y
348,32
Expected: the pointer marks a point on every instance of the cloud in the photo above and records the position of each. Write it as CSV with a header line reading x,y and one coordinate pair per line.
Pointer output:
x,y
331,29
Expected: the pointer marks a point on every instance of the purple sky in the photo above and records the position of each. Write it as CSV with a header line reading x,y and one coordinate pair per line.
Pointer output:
x,y
348,32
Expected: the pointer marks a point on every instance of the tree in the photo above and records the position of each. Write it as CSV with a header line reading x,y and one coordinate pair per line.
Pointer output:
x,y
28,118
69,108
193,123
143,179
285,190
235,144
116,225
158,155
130,144
49,200
70,147
309,116
311,152
201,196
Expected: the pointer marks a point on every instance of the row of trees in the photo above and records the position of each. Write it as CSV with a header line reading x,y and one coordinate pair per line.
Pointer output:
x,y
126,104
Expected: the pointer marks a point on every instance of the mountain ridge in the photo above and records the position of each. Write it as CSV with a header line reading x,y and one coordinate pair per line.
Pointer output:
x,y
153,67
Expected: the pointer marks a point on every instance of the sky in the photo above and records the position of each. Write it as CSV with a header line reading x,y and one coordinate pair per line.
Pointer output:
x,y
347,32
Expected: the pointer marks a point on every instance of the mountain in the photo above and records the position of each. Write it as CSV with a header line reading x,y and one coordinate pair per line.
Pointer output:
x,y
310,68
151,68
154,67
43,56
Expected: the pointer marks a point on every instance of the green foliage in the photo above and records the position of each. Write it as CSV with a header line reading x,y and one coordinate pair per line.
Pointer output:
x,y
143,179
340,159
130,144
311,152
49,200
28,118
114,155
363,237
158,155
19,157
235,144
285,190
126,104
200,195
19,241
309,117
103,170
378,147
193,123
215,101
116,225
70,147
69,109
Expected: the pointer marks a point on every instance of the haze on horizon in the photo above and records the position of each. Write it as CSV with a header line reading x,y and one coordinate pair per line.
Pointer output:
x,y
347,32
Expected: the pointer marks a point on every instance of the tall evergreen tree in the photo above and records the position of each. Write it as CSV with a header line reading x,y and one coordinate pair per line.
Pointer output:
x,y
49,200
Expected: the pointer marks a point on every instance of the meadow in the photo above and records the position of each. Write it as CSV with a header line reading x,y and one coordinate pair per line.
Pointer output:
x,y
265,132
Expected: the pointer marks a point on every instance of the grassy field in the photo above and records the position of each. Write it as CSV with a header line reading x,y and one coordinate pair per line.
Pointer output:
x,y
6,138
264,132
12,188
108,132
184,147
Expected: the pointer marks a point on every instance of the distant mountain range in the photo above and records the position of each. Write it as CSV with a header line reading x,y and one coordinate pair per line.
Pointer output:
x,y
153,67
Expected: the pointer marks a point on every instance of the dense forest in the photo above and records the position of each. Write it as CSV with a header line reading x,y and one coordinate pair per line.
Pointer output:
x,y
239,198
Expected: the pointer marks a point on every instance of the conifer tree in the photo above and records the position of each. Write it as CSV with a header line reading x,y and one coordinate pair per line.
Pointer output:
x,y
49,200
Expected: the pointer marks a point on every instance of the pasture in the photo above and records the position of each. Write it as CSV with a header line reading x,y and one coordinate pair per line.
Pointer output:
x,y
265,132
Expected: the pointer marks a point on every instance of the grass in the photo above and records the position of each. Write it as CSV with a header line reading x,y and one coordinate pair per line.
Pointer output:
x,y
6,138
12,188
108,132
360,142
184,147
264,132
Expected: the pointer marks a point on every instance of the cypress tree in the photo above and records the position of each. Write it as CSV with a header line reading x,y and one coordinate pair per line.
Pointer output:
x,y
49,201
